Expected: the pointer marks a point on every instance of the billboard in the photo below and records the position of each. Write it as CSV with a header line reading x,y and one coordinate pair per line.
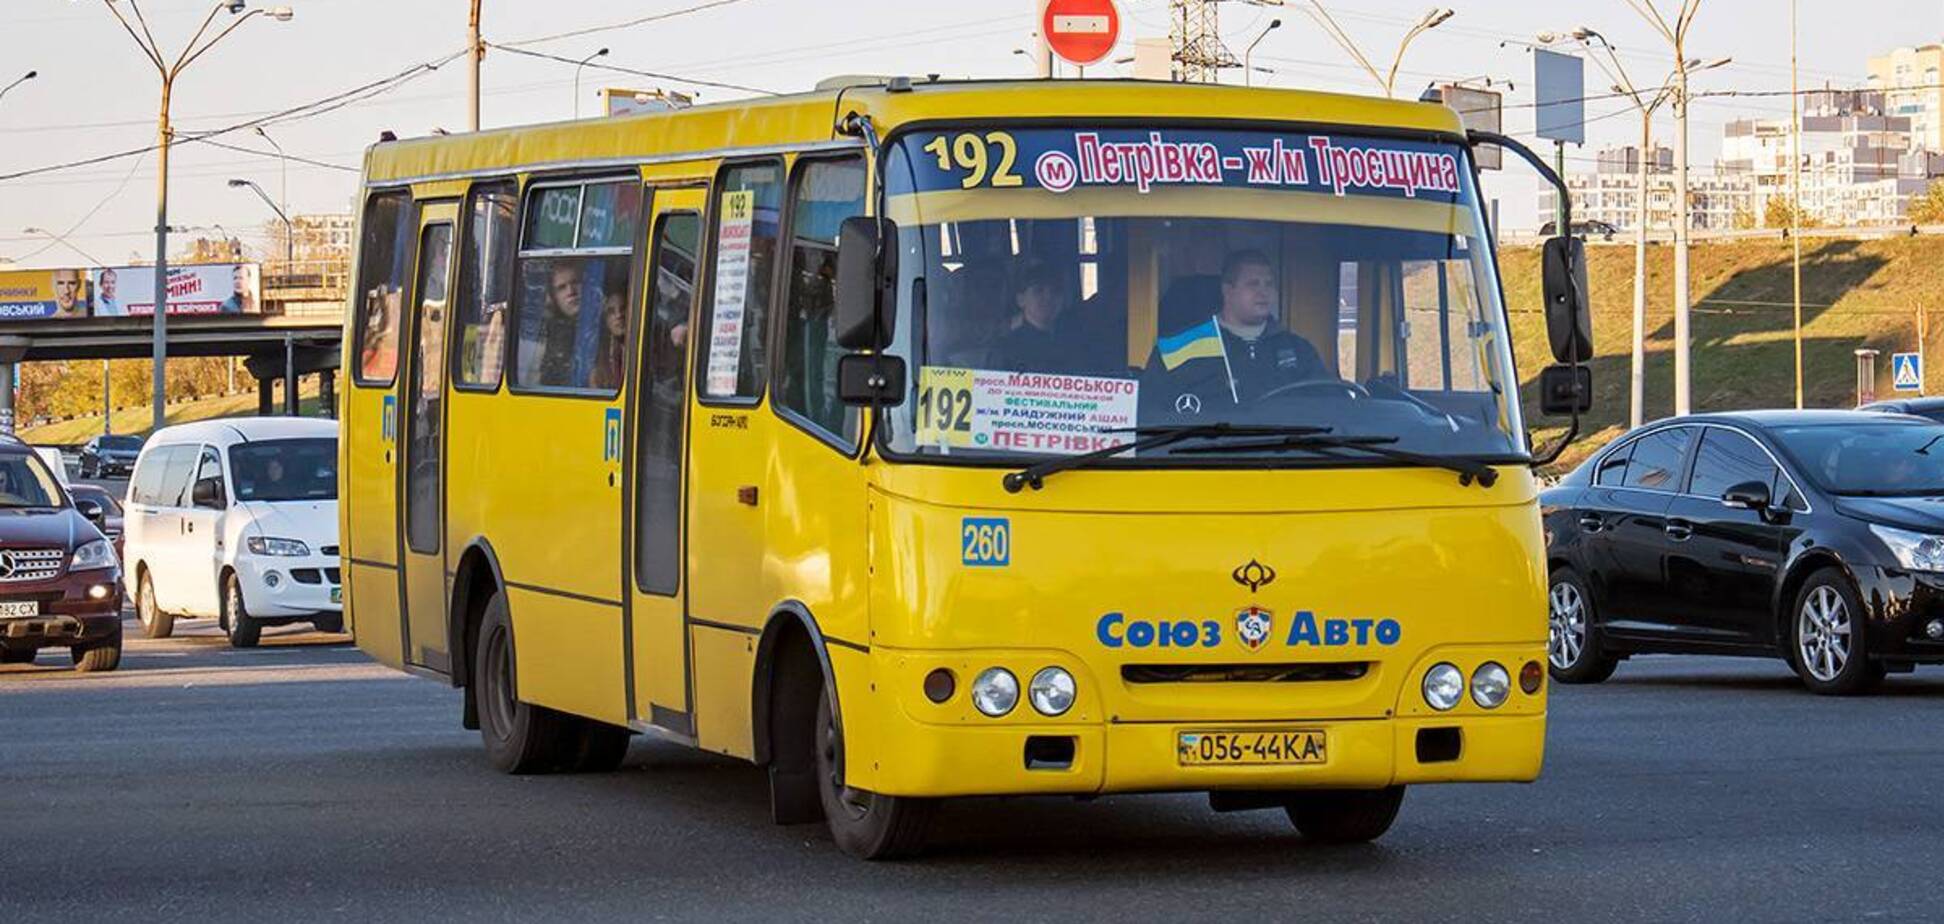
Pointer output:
x,y
1561,96
1482,110
209,288
27,295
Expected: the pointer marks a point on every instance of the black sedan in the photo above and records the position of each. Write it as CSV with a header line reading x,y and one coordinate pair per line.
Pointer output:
x,y
1932,408
109,454
1816,536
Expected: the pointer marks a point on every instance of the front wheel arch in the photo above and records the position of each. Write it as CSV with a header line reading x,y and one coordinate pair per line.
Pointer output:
x,y
788,618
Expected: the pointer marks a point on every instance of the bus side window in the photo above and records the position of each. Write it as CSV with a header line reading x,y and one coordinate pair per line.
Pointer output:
x,y
385,256
735,320
479,348
574,264
826,193
660,396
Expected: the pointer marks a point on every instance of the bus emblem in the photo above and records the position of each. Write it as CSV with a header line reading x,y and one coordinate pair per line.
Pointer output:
x,y
1252,627
1255,575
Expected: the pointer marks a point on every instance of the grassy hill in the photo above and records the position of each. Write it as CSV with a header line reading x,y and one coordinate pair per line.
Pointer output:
x,y
136,419
1854,294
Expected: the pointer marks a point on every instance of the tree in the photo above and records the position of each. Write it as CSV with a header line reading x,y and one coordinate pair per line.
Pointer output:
x,y
1744,219
1776,213
1928,208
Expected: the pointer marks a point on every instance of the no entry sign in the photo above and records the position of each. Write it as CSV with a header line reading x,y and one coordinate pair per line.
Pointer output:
x,y
1080,31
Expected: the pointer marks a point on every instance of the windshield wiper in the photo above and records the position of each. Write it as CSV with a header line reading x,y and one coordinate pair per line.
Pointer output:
x,y
1468,470
1148,438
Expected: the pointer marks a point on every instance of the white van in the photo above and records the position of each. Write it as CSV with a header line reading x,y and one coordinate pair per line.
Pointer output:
x,y
235,520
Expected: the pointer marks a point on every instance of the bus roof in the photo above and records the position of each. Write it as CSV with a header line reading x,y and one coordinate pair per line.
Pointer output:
x,y
807,121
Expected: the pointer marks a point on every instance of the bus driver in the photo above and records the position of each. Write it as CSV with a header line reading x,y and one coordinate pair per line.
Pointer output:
x,y
1239,354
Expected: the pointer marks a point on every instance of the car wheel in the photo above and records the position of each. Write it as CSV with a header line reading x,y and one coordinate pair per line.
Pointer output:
x,y
1573,649
18,655
519,737
98,658
1828,641
1345,816
155,623
866,825
243,629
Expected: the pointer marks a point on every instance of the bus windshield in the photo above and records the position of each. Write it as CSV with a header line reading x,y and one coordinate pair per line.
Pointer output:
x,y
1062,289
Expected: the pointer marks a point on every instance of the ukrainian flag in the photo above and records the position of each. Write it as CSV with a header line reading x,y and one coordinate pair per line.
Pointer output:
x,y
1203,341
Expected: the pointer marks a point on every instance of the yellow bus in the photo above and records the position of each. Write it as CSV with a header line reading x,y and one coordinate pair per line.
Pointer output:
x,y
927,439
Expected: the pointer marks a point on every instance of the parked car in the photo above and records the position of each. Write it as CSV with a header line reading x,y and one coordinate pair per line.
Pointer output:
x,y
236,520
1932,408
1586,229
109,454
110,523
59,578
1814,536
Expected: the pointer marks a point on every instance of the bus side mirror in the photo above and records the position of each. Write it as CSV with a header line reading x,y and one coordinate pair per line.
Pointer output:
x,y
867,273
1565,391
1569,320
871,380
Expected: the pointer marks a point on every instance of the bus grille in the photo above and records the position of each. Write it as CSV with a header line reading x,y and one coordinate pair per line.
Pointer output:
x,y
1307,672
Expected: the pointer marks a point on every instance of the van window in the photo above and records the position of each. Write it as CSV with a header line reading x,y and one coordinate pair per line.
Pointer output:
x,y
304,468
574,269
384,260
827,192
178,465
736,317
209,469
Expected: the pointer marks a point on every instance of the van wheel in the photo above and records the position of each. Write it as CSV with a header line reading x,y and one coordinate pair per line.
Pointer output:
x,y
242,627
866,825
1573,650
155,623
519,737
333,622
1351,816
1829,637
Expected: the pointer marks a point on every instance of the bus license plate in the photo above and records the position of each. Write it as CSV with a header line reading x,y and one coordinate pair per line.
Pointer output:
x,y
1250,748
17,608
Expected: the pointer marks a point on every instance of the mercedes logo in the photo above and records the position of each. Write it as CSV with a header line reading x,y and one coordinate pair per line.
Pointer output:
x,y
6,564
1188,403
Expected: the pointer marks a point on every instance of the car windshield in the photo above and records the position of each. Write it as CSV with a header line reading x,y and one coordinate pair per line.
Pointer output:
x,y
1060,288
121,443
25,482
285,470
1869,459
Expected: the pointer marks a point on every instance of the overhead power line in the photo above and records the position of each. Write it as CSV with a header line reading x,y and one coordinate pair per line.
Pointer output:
x,y
671,78
625,24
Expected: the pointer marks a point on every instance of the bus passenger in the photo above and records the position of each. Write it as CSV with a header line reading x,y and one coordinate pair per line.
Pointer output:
x,y
1030,342
1240,353
560,325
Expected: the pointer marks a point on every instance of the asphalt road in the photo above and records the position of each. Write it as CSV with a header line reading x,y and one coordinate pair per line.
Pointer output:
x,y
299,781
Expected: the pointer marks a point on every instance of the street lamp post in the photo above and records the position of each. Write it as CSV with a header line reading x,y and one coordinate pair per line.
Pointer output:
x,y
283,197
1432,19
1248,54
577,74
168,72
18,81
289,231
1676,34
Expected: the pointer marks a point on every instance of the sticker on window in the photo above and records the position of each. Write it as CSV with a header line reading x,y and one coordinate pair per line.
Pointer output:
x,y
731,292
1024,411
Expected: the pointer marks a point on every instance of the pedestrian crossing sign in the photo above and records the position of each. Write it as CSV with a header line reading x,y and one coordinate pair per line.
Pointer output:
x,y
1907,371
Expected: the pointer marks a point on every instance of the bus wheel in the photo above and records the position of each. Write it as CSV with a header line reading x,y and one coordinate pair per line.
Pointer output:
x,y
1348,816
519,737
865,825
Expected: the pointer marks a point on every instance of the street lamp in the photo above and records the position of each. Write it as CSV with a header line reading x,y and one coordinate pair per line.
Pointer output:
x,y
58,239
289,232
283,194
1432,19
1247,71
23,79
577,74
168,71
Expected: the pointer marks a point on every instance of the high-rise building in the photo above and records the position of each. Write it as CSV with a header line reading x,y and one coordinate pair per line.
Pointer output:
x,y
1912,81
1856,161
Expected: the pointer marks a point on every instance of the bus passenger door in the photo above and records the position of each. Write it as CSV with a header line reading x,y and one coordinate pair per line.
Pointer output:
x,y
421,428
658,651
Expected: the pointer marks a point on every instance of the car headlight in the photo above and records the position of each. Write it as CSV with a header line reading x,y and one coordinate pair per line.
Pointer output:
x,y
1490,685
1444,686
93,554
1914,551
995,692
1051,691
266,545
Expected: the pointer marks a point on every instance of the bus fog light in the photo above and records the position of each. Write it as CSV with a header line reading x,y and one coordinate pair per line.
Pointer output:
x,y
1444,686
1490,685
1934,629
1529,677
940,685
1051,691
995,692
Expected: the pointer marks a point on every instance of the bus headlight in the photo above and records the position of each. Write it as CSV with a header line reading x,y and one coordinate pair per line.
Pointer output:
x,y
995,692
1490,685
1051,691
1444,686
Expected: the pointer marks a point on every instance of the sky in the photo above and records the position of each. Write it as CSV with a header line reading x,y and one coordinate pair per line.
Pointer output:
x,y
97,94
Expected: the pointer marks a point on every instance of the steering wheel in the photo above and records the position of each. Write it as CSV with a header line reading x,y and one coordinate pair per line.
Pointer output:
x,y
1355,391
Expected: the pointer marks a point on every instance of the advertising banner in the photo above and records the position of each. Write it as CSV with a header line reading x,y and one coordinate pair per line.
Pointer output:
x,y
211,288
27,295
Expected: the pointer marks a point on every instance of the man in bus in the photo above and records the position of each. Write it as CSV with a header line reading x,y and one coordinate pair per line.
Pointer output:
x,y
1236,356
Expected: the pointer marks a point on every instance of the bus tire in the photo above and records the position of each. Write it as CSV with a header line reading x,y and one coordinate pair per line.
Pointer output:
x,y
1344,816
519,737
155,622
598,747
866,825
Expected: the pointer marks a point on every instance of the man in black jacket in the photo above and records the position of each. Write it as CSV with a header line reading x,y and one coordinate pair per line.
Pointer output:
x,y
1235,357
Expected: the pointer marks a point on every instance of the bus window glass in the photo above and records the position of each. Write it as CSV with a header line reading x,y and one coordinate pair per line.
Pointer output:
x,y
827,192
484,278
735,321
663,388
552,215
385,257
427,396
610,214
572,301
1258,278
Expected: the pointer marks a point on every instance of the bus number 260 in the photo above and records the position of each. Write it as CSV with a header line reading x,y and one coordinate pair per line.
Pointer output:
x,y
986,541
